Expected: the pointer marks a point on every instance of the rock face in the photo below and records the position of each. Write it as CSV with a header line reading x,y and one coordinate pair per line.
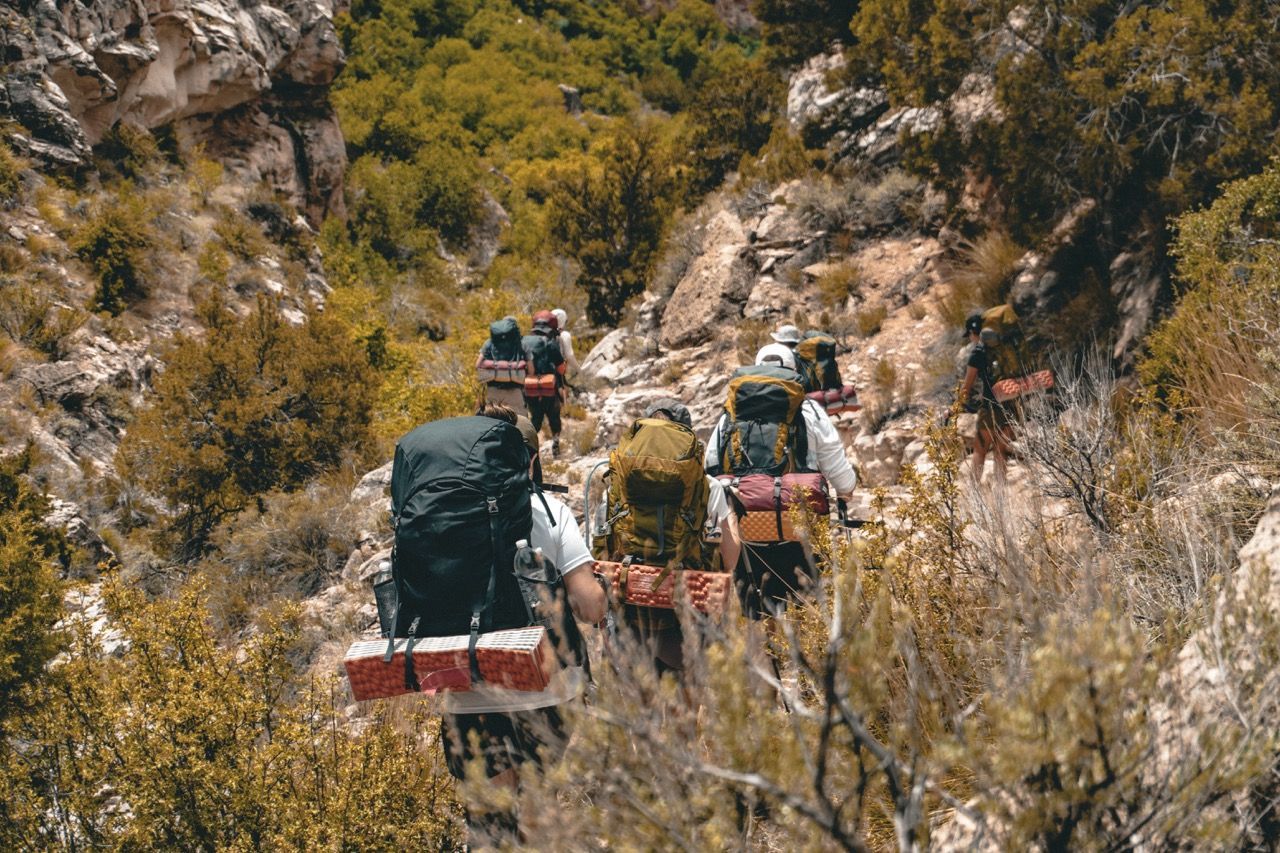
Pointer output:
x,y
714,288
822,113
248,81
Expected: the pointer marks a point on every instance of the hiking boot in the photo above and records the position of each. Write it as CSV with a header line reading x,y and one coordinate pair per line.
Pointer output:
x,y
555,447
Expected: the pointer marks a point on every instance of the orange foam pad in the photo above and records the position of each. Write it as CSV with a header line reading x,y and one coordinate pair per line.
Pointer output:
x,y
706,591
540,386
517,659
763,527
1008,389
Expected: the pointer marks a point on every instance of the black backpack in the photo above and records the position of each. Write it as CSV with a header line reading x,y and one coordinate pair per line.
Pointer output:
x,y
542,353
504,340
460,492
763,429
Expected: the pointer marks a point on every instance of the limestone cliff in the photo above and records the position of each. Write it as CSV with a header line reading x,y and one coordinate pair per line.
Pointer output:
x,y
248,82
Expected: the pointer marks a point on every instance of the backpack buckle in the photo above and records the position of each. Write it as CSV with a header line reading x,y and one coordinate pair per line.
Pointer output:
x,y
493,505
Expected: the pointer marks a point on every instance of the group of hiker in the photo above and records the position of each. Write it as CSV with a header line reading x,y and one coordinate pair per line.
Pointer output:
x,y
480,546
528,372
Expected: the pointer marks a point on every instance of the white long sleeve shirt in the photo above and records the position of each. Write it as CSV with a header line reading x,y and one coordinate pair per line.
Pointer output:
x,y
826,451
566,350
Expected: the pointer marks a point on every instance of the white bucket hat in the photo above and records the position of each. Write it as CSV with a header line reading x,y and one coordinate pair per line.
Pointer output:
x,y
787,334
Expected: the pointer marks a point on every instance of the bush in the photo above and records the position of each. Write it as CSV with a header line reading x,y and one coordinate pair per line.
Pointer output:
x,y
10,178
732,115
180,742
129,151
979,277
30,592
240,235
869,319
116,242
30,318
837,284
608,213
256,405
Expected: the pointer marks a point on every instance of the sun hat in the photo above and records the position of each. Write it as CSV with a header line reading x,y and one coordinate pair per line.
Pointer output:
x,y
787,334
672,408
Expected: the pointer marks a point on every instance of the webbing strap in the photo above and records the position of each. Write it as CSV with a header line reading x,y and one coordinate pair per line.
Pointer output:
x,y
777,505
495,543
410,677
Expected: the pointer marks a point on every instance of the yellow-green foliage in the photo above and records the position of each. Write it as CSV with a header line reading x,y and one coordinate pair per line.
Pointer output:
x,y
129,151
1216,359
837,284
116,241
29,316
240,235
178,742
1204,73
256,404
442,104
30,592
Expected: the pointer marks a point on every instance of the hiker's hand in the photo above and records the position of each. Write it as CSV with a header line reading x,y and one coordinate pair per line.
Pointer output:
x,y
586,596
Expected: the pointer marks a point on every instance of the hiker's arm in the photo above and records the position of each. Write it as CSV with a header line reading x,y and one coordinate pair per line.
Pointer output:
x,y
730,543
586,596
970,376
829,450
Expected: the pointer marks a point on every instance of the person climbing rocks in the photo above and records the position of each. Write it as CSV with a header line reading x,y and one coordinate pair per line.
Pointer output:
x,y
782,352
995,422
771,574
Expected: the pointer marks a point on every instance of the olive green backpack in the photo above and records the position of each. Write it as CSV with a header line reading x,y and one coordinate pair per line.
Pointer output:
x,y
657,497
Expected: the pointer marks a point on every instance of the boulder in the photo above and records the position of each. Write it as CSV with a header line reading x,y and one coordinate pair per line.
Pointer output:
x,y
822,113
714,289
880,456
68,517
374,487
607,359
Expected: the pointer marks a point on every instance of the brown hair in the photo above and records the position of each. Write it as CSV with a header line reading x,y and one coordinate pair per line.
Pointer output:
x,y
498,411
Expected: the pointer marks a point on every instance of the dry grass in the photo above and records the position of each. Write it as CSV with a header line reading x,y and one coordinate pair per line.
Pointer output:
x,y
869,320
979,277
751,335
837,284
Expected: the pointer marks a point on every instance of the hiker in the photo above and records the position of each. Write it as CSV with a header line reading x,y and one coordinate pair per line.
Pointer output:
x,y
778,432
565,339
455,552
544,380
782,352
995,426
816,362
501,365
655,530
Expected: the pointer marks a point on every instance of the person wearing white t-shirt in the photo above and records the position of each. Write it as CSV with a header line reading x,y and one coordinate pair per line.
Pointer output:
x,y
515,727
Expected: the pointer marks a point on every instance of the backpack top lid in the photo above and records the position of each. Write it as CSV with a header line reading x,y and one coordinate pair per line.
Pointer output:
x,y
484,454
816,345
767,371
1002,320
504,329
544,321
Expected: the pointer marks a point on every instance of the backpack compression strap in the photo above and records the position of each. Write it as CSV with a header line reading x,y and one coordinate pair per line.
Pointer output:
x,y
495,539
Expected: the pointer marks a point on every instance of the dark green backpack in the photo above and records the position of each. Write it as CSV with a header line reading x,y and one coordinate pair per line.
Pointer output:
x,y
504,340
542,353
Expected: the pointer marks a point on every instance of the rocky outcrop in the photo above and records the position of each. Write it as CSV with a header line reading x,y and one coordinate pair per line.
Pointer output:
x,y
822,113
714,288
247,81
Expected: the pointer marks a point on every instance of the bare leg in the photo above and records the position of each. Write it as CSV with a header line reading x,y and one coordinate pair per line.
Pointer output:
x,y
980,446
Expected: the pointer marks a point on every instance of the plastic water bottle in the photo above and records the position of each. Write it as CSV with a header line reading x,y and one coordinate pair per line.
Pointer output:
x,y
384,594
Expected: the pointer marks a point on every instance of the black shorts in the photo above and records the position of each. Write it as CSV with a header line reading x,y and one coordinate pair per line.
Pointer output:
x,y
769,577
506,740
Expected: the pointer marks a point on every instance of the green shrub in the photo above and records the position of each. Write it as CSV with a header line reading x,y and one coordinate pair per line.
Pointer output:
x,y
116,242
255,405
795,30
838,283
240,235
129,151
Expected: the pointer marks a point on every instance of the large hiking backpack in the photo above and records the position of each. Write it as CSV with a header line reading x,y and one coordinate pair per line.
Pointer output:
x,y
1004,354
816,362
460,491
657,497
460,501
545,365
763,431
